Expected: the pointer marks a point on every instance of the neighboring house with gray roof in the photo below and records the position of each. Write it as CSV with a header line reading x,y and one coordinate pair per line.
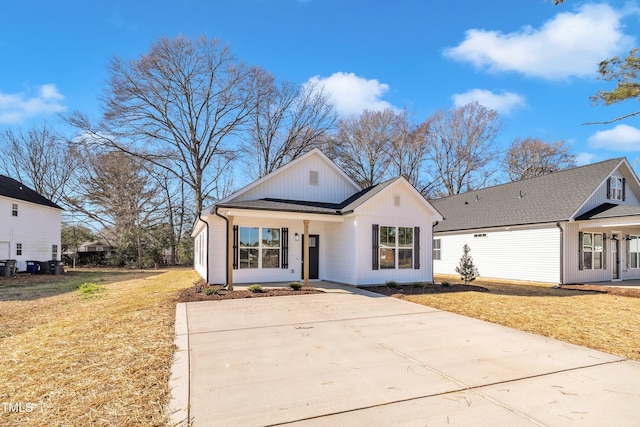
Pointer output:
x,y
357,236
30,224
573,226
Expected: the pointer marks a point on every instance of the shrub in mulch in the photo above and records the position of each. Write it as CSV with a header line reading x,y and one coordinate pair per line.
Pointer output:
x,y
421,288
201,291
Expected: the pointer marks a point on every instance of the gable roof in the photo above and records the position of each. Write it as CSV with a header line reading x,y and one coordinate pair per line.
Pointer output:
x,y
260,181
303,206
14,189
549,198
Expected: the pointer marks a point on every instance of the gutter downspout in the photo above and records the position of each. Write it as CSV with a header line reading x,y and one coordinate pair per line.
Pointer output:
x,y
561,253
226,220
207,262
433,235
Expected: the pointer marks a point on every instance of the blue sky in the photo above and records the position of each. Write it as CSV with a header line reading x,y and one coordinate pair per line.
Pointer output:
x,y
532,61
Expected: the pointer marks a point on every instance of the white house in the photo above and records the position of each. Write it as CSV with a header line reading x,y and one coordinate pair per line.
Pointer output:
x,y
30,224
309,209
574,226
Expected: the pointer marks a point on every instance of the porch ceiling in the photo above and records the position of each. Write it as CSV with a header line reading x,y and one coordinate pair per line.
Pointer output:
x,y
274,214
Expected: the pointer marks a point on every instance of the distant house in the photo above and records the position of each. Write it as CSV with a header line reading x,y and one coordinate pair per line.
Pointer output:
x,y
95,252
574,226
308,220
30,224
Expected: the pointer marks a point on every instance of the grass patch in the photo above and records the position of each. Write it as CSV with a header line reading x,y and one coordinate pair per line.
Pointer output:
x,y
90,290
100,361
603,322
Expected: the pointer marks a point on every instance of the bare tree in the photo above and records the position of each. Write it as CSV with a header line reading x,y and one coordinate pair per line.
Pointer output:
x,y
461,148
533,157
407,153
180,106
40,159
363,144
289,120
116,191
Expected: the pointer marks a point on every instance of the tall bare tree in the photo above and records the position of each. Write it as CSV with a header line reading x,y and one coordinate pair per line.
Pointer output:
x,y
461,148
289,120
116,191
181,106
407,153
532,157
363,144
40,159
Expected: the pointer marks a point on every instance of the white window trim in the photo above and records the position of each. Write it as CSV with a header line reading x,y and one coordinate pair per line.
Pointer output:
x,y
260,249
396,248
593,251
616,188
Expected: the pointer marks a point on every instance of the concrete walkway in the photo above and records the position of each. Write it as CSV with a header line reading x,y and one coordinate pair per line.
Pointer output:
x,y
350,357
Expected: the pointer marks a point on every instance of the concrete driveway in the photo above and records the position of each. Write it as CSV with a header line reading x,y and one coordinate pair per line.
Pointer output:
x,y
349,357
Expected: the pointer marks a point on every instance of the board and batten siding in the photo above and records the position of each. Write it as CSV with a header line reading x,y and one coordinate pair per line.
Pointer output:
x,y
573,274
267,275
531,254
397,206
37,228
600,196
295,183
342,253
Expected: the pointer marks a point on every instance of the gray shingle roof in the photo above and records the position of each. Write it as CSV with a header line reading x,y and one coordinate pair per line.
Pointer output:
x,y
303,206
14,189
548,198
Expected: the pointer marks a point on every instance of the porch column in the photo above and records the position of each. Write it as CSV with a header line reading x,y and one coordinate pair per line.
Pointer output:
x,y
230,252
305,252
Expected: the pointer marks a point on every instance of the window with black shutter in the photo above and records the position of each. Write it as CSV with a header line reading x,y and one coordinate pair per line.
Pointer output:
x,y
375,247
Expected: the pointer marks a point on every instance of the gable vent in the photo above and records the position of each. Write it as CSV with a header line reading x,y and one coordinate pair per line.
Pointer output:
x,y
313,177
396,200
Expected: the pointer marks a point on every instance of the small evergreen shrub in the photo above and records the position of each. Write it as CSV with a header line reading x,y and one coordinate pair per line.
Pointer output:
x,y
255,288
212,290
466,269
392,284
420,284
445,284
296,286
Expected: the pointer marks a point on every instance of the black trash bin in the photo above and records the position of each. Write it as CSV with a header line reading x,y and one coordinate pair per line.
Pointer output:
x,y
7,267
44,267
56,267
33,267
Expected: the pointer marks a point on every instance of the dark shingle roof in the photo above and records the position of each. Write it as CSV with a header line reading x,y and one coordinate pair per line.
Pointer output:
x,y
9,187
548,198
302,206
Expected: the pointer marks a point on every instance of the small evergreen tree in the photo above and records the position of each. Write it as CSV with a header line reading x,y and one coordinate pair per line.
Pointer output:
x,y
467,271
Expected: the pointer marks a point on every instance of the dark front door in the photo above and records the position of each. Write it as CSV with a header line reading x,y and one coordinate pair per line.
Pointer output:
x,y
615,255
314,256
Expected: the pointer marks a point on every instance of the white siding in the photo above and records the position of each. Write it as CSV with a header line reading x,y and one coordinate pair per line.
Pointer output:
x,y
382,210
572,247
36,227
217,258
217,250
520,254
341,254
200,253
600,195
294,183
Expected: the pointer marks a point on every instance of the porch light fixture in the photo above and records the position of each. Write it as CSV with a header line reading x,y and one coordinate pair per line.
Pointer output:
x,y
627,237
614,238
297,237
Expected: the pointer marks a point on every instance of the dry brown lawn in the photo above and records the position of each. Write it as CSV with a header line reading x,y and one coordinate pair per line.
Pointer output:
x,y
100,359
605,322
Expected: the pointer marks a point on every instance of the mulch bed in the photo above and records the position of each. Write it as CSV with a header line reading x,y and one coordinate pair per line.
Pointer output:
x,y
402,290
195,293
624,292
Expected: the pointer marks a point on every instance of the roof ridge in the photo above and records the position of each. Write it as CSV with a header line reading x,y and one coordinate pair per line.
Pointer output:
x,y
545,176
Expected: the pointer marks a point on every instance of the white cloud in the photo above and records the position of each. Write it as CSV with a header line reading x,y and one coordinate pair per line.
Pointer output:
x,y
351,94
17,107
570,44
503,103
622,138
585,158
